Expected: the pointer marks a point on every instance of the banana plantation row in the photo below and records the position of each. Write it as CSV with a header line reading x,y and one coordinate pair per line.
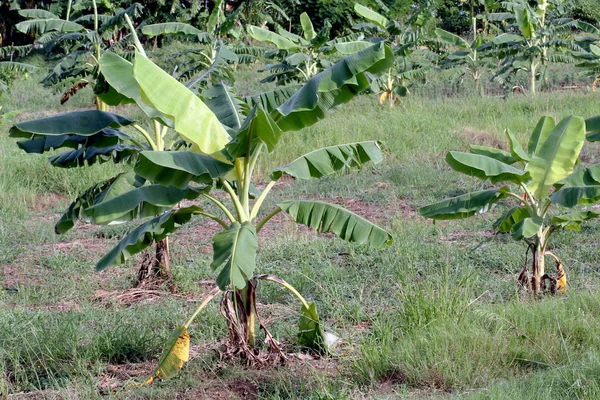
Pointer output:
x,y
506,43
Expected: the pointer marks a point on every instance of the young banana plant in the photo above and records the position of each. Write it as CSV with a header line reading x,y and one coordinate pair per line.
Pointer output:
x,y
298,58
224,136
543,183
537,35
411,62
471,57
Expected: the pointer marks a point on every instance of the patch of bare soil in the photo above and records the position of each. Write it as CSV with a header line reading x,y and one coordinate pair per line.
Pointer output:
x,y
128,297
45,202
242,389
118,376
467,238
15,276
481,138
47,394
125,377
376,212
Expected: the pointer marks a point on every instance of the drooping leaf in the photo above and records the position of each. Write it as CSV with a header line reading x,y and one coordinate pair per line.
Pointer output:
x,y
144,235
167,28
573,221
194,121
93,151
15,51
326,161
42,143
556,154
571,196
463,206
351,47
583,177
177,353
85,123
172,168
332,87
484,167
37,13
44,25
270,100
325,217
98,192
235,250
299,40
17,66
118,19
311,333
451,38
505,38
141,202
371,16
492,152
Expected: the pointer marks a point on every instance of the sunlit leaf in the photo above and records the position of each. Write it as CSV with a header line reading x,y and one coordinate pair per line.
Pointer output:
x,y
325,217
194,121
556,154
328,160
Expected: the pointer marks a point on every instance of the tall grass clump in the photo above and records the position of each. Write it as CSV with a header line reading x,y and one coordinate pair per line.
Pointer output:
x,y
460,345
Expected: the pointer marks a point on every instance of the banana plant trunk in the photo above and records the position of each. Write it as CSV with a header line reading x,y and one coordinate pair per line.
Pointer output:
x,y
155,269
161,266
532,73
248,295
538,267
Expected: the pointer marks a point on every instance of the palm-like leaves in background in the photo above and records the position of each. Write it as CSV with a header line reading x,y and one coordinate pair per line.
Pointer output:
x,y
76,45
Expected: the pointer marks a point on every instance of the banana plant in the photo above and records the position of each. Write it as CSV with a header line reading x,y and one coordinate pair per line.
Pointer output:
x,y
541,182
299,58
8,65
588,60
472,57
411,62
76,44
223,138
536,36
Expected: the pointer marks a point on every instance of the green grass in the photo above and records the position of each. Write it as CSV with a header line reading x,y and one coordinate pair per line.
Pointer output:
x,y
437,315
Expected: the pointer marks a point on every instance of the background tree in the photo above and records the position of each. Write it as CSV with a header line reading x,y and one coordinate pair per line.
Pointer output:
x,y
535,36
411,59
76,43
